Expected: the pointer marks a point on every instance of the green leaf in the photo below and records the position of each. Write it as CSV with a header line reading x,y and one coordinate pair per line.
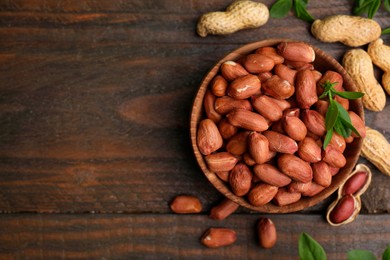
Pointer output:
x,y
361,255
340,129
331,115
386,31
301,12
309,249
328,137
386,254
349,94
386,4
280,8
374,8
362,7
346,120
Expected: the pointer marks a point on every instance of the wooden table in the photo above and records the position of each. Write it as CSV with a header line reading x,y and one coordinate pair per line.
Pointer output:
x,y
94,143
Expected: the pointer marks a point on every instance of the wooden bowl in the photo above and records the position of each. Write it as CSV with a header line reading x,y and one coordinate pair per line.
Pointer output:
x,y
322,63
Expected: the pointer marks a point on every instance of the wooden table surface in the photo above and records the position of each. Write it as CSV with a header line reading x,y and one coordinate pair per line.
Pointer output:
x,y
95,98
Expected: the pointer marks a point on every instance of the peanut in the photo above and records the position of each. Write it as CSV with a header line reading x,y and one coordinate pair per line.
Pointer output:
x,y
231,70
321,173
271,175
354,183
261,194
272,53
294,127
380,54
218,86
224,209
285,73
343,210
218,237
258,147
186,204
247,120
280,143
295,168
296,51
239,15
278,88
211,113
208,138
267,107
238,144
350,30
244,87
314,122
309,150
240,179
359,66
284,197
226,129
305,89
376,149
257,63
224,105
221,162
266,232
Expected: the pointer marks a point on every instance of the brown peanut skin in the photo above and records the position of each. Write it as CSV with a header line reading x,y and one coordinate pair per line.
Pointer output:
x,y
226,129
186,204
257,63
258,147
333,157
294,127
271,53
244,87
309,150
338,142
208,103
294,167
231,70
343,210
296,51
224,105
314,122
321,106
224,209
247,120
238,144
218,86
321,174
284,197
261,194
285,73
218,237
332,77
221,162
240,179
267,107
313,189
266,231
208,137
280,143
271,175
278,88
355,183
305,89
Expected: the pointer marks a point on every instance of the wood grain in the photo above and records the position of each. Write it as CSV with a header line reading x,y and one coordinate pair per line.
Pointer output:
x,y
95,100
145,236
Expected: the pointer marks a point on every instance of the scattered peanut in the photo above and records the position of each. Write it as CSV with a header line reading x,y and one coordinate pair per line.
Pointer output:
x,y
241,14
350,30
185,204
376,149
218,237
266,232
358,64
380,55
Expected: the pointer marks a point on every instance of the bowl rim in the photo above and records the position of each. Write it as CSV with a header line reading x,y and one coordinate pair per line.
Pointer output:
x,y
305,202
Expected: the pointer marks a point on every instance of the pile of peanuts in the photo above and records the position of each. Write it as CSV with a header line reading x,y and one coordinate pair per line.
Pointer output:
x,y
264,126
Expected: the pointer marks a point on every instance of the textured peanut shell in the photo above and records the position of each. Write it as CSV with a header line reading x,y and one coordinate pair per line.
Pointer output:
x,y
350,30
359,168
376,149
239,15
380,55
359,66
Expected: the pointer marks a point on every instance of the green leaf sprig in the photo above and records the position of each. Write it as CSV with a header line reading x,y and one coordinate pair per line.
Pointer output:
x,y
386,31
337,118
281,8
369,7
309,249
